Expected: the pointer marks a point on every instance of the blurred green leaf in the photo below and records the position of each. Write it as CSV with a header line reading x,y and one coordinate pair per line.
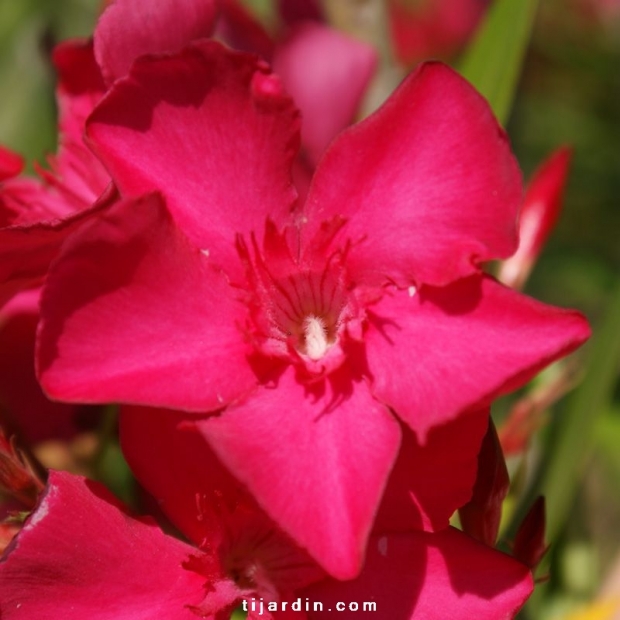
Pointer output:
x,y
572,433
493,61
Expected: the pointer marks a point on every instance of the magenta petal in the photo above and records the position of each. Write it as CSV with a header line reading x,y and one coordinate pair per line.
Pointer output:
x,y
133,313
447,349
176,476
81,556
430,577
213,131
427,184
25,410
430,481
203,499
431,29
11,163
26,251
76,179
127,30
77,175
327,74
184,471
317,462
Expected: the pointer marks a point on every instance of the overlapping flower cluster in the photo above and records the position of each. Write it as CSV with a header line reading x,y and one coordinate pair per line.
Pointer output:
x,y
302,337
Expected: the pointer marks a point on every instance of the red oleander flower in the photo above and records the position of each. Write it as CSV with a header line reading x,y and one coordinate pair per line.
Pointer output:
x,y
81,542
301,329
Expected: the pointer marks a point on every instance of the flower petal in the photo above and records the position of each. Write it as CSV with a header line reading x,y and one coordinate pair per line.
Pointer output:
x,y
430,576
213,131
25,410
432,29
481,516
427,184
77,175
133,313
127,30
201,497
444,350
80,555
430,481
327,74
541,208
11,163
26,251
305,451
185,470
185,467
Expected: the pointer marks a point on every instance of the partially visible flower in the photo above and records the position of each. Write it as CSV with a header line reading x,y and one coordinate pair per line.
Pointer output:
x,y
432,28
80,542
302,327
541,208
39,213
406,572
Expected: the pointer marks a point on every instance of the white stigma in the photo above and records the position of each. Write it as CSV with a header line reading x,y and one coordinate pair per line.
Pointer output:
x,y
315,337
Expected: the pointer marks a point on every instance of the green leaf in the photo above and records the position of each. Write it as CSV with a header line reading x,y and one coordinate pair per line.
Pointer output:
x,y
573,433
494,59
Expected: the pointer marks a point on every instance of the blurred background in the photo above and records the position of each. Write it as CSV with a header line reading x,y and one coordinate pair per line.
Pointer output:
x,y
568,94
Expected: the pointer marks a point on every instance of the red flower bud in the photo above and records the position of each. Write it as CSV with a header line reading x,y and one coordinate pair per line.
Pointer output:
x,y
540,211
480,517
529,545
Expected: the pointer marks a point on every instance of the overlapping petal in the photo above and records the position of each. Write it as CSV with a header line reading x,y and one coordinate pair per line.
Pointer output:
x,y
201,497
129,29
213,131
27,250
428,185
443,350
124,568
185,467
316,461
133,313
431,480
430,576
24,408
77,175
